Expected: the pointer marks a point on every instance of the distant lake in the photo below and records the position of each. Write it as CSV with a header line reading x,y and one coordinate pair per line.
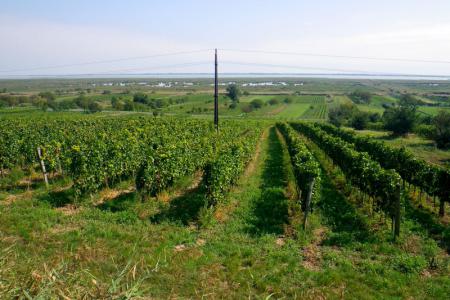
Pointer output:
x,y
243,75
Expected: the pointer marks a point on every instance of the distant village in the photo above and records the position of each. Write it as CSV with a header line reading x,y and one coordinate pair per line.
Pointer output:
x,y
171,84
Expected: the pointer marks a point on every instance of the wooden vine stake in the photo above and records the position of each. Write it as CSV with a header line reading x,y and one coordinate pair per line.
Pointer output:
x,y
397,214
442,207
44,172
308,202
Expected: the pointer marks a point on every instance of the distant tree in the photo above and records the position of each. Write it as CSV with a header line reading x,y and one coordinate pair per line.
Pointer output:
x,y
117,103
274,101
47,95
4,90
233,92
257,103
106,92
140,98
94,107
128,105
9,100
400,120
114,101
341,115
66,105
54,105
82,102
23,99
374,117
425,119
442,129
43,105
360,97
38,101
160,103
360,120
408,100
246,93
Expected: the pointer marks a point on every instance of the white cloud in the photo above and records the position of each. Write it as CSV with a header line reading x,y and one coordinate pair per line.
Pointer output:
x,y
34,43
425,42
31,43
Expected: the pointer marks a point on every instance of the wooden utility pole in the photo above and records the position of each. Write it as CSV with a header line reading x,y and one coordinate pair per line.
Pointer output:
x,y
216,94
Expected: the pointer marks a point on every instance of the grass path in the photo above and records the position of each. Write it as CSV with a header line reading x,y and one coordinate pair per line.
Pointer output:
x,y
261,206
250,244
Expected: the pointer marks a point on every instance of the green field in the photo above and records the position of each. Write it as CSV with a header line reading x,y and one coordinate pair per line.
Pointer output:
x,y
294,111
432,110
370,108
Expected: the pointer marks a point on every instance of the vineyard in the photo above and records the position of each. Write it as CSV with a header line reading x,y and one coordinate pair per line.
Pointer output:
x,y
155,153
311,99
112,207
225,150
316,112
432,180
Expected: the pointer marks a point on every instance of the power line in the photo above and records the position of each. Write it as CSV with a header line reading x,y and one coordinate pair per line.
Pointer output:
x,y
229,62
105,61
340,56
180,65
116,72
189,64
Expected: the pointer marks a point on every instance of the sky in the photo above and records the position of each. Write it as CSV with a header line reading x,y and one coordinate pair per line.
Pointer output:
x,y
55,37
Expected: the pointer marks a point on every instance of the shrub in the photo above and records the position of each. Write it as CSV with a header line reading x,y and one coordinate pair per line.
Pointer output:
x,y
288,100
400,120
94,107
233,105
273,101
360,97
257,104
247,109
407,263
360,120
140,98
